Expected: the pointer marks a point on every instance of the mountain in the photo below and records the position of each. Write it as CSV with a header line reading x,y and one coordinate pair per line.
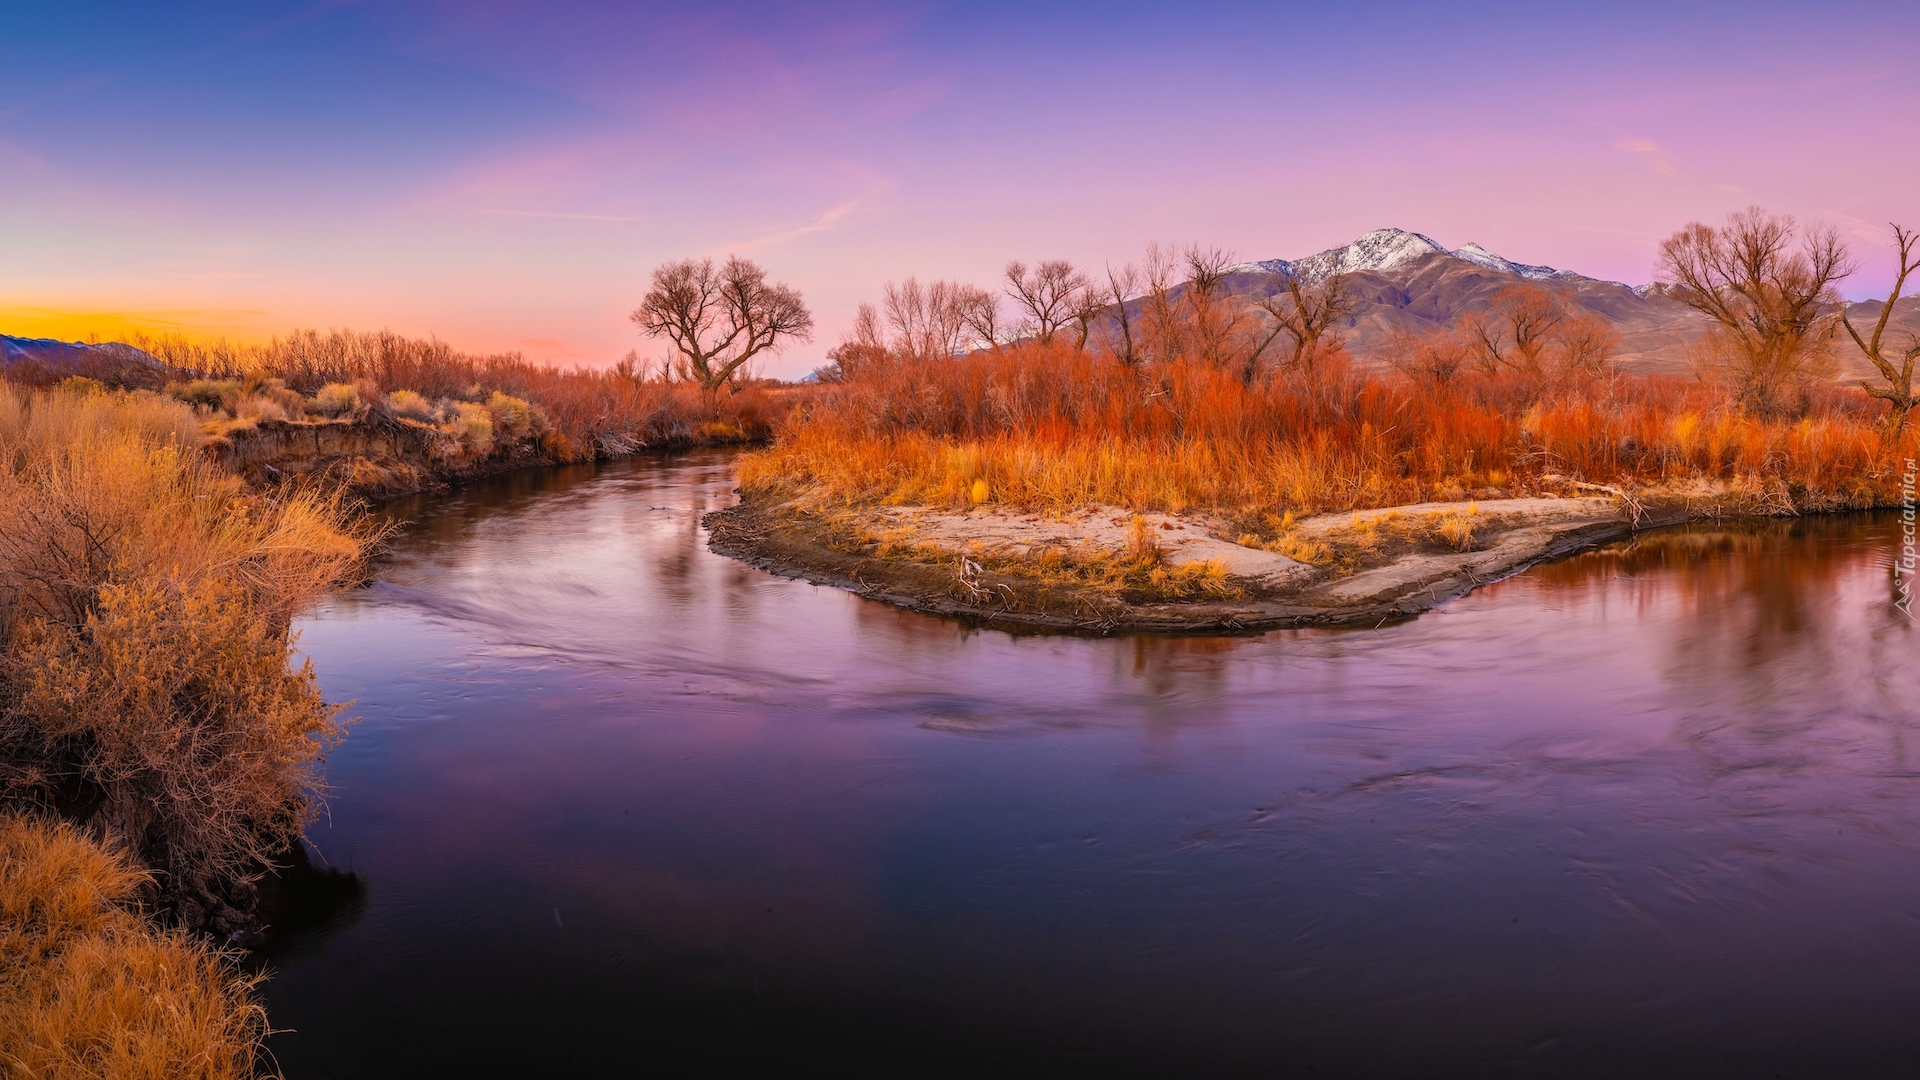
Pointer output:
x,y
44,360
1407,281
1387,250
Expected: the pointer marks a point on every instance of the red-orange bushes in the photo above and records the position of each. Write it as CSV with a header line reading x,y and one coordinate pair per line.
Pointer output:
x,y
1052,426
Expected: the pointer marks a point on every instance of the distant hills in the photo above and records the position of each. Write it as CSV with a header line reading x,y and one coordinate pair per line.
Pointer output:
x,y
1407,281
41,360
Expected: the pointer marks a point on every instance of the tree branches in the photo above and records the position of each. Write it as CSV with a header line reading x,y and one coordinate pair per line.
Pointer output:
x,y
718,319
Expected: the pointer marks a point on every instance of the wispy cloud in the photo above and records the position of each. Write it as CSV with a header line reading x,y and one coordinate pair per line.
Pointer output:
x,y
822,223
558,214
1648,151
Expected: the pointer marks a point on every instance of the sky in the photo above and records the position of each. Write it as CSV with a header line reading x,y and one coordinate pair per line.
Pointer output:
x,y
507,175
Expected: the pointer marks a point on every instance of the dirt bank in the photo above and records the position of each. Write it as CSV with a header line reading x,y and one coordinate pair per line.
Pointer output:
x,y
379,460
1171,574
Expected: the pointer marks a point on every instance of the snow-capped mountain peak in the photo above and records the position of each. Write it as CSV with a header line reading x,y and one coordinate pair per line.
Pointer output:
x,y
1480,256
1389,249
1381,249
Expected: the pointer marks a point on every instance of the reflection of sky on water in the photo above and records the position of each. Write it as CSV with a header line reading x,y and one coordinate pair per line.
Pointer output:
x,y
1652,804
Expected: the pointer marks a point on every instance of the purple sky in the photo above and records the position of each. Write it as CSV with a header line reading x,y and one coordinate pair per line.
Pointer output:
x,y
506,175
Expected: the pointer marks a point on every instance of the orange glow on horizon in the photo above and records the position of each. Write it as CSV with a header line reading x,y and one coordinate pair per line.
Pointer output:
x,y
67,324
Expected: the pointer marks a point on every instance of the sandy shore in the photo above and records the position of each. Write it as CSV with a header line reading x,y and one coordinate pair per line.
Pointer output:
x,y
1360,568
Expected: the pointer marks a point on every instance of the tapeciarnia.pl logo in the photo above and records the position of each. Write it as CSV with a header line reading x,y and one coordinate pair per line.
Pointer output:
x,y
1903,563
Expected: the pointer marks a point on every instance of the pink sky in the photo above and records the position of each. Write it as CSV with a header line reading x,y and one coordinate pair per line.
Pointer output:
x,y
506,175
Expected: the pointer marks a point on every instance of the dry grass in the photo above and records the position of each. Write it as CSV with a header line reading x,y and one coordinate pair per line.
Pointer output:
x,y
571,414
145,601
88,989
1054,428
1139,571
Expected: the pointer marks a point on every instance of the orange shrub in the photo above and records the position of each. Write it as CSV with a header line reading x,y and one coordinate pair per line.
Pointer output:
x,y
1050,426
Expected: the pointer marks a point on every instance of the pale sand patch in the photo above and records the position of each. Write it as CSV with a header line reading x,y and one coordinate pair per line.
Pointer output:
x,y
1498,512
1182,540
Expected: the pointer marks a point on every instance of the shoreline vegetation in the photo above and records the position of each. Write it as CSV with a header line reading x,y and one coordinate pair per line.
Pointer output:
x,y
161,527
1040,468
382,415
149,700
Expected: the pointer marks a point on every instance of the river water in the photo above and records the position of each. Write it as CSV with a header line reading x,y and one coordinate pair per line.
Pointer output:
x,y
618,805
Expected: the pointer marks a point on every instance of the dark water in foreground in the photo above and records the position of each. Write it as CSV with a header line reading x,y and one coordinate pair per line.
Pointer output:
x,y
619,806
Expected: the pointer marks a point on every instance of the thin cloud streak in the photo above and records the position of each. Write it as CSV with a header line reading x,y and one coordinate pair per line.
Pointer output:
x,y
558,214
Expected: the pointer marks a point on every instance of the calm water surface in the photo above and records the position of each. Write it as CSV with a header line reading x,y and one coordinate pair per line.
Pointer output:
x,y
619,806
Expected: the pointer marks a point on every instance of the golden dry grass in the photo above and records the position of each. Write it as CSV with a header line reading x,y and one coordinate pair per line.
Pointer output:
x,y
89,989
576,413
145,604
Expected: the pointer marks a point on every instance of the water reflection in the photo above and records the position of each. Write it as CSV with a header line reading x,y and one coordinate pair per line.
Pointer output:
x,y
1649,809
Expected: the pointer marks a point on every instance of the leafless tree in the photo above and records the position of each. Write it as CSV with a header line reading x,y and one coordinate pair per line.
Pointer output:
x,y
718,319
1515,334
980,311
1049,294
1121,285
1310,314
1584,347
1215,319
1898,388
1775,308
928,322
1163,330
1434,358
863,347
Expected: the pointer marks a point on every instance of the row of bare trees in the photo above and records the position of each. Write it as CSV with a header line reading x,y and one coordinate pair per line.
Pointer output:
x,y
1769,289
1530,333
1173,304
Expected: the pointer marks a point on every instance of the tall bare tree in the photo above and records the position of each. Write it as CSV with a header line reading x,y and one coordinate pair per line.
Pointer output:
x,y
1214,317
928,321
1310,314
1434,358
980,310
718,319
1121,285
1163,330
1898,388
1049,294
1774,307
1516,332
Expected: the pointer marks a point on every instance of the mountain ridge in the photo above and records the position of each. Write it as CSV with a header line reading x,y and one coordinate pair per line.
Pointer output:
x,y
1392,249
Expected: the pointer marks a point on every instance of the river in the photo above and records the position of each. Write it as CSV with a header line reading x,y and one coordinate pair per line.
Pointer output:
x,y
617,805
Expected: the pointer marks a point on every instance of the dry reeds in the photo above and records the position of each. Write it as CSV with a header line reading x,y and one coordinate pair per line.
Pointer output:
x,y
1053,427
88,989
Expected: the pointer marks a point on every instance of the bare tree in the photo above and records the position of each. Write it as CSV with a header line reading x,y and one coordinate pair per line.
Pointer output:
x,y
1584,346
1774,308
1516,333
1215,319
1898,390
1164,331
980,311
1121,285
928,322
1049,294
1434,358
863,347
718,319
1310,314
